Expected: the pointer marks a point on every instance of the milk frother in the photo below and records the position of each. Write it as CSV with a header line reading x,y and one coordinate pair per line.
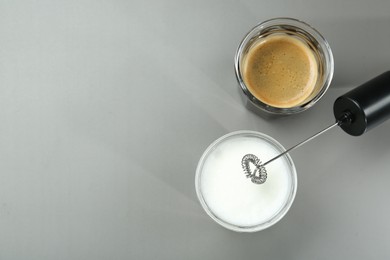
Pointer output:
x,y
356,112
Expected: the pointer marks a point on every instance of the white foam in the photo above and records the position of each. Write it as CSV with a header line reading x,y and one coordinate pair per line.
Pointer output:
x,y
231,196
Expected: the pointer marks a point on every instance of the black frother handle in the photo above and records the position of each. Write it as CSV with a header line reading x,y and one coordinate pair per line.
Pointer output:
x,y
367,105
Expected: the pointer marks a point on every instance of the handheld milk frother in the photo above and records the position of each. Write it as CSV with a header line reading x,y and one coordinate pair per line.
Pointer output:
x,y
356,112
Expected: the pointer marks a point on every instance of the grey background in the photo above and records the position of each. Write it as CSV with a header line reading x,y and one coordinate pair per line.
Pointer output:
x,y
107,106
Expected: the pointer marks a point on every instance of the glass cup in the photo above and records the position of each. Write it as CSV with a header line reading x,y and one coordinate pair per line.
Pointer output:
x,y
273,68
229,197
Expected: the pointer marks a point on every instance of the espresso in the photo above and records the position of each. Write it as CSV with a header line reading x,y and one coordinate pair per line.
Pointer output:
x,y
281,71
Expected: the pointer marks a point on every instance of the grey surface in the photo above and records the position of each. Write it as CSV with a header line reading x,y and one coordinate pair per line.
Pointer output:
x,y
106,107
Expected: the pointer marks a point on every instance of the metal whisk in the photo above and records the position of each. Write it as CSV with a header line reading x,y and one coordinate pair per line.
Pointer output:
x,y
356,112
259,174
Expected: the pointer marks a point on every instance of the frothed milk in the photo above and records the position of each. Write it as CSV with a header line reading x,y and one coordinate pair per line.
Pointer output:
x,y
232,197
280,70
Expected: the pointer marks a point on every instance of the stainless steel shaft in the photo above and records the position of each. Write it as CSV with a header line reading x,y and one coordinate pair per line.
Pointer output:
x,y
303,142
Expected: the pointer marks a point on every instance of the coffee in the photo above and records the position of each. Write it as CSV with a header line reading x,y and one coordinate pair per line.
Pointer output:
x,y
280,70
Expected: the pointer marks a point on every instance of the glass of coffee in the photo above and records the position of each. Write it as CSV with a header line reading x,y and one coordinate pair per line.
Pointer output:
x,y
284,66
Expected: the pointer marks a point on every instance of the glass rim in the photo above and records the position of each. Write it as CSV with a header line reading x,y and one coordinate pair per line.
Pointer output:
x,y
280,214
328,66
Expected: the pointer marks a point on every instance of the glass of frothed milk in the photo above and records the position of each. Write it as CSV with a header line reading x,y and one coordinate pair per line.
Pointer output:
x,y
232,199
283,66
